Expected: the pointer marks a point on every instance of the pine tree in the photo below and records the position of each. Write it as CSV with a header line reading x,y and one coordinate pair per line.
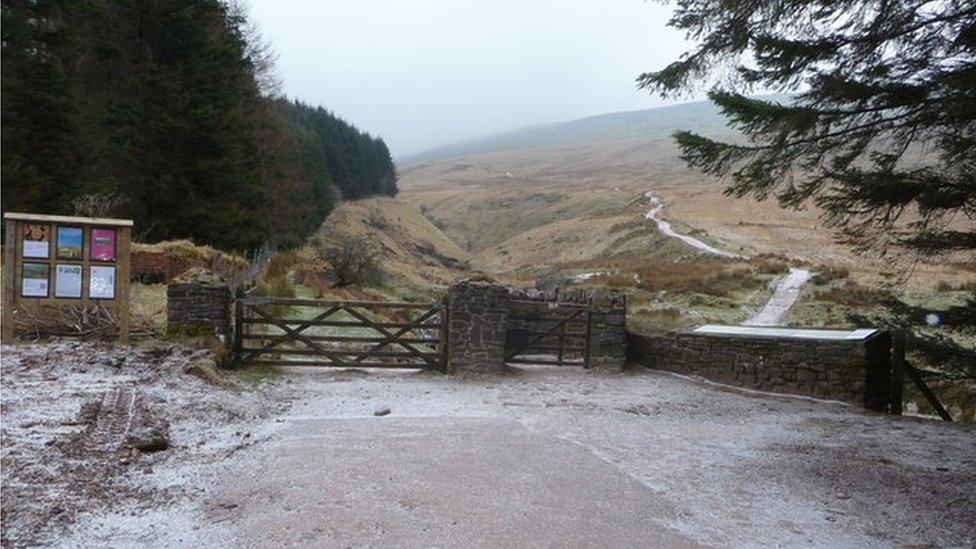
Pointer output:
x,y
165,102
882,132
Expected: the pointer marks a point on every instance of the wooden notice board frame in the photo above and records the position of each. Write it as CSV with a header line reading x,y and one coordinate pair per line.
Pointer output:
x,y
13,267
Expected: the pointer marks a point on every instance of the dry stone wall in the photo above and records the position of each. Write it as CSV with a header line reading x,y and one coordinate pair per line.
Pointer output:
x,y
482,315
198,309
857,372
477,314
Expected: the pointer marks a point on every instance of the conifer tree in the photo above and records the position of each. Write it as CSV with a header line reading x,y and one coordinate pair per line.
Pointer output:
x,y
881,131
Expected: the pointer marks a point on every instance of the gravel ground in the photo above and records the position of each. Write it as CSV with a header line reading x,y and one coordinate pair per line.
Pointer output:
x,y
541,457
71,415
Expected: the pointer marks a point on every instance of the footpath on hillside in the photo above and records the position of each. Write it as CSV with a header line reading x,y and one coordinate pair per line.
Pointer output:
x,y
787,290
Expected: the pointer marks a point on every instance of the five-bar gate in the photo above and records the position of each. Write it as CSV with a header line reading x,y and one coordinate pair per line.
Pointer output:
x,y
361,334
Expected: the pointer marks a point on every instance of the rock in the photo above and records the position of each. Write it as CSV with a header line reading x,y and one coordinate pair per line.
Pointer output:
x,y
382,411
148,440
149,432
203,369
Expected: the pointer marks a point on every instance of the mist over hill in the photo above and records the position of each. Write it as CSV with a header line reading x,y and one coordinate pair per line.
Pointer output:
x,y
657,123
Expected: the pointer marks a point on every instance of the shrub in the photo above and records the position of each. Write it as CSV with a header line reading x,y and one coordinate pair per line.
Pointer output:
x,y
351,260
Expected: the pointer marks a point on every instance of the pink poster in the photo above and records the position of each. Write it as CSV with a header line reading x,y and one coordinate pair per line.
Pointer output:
x,y
103,244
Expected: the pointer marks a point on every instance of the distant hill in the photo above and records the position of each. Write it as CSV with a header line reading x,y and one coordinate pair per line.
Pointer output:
x,y
699,116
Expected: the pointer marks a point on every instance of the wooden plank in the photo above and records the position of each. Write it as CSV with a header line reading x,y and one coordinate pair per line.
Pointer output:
x,y
301,337
383,331
421,366
340,323
293,334
68,219
339,352
303,302
925,390
403,331
352,339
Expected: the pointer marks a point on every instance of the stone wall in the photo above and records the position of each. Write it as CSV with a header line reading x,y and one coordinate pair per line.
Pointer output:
x,y
477,314
608,332
483,316
198,309
854,371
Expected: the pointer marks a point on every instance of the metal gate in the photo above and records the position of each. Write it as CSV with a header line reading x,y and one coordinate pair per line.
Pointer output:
x,y
351,334
548,332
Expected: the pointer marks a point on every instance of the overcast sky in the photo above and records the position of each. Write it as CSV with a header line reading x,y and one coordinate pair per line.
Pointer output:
x,y
422,73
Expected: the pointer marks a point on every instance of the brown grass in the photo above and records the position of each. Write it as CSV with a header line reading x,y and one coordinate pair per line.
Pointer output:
x,y
715,277
852,294
770,263
946,286
829,274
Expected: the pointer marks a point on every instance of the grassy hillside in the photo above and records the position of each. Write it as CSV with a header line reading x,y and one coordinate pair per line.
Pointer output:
x,y
414,254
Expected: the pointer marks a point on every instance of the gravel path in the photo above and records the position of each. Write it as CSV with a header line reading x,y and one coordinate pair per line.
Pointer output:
x,y
559,457
665,227
786,294
787,291
539,458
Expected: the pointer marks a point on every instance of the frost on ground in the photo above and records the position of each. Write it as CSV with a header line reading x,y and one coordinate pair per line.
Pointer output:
x,y
74,416
542,457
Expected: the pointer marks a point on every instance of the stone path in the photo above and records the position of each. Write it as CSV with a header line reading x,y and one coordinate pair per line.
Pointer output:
x,y
787,292
665,227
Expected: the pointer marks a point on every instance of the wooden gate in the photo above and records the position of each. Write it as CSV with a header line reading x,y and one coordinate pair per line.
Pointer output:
x,y
349,334
547,332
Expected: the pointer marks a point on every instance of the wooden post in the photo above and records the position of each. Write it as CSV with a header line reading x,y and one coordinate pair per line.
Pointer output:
x,y
927,392
123,277
586,342
9,281
238,329
897,381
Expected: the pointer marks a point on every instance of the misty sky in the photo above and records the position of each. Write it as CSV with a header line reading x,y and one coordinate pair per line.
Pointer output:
x,y
422,73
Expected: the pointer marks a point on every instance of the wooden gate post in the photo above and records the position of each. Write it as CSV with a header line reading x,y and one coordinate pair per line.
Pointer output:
x,y
897,380
238,329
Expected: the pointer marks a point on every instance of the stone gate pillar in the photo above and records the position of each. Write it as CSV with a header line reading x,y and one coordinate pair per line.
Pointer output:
x,y
477,314
608,332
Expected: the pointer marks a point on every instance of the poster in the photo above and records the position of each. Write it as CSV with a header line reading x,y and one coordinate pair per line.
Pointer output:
x,y
67,280
101,284
103,244
69,243
34,281
37,240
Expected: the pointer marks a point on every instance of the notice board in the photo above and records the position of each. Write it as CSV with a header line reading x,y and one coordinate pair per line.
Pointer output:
x,y
53,262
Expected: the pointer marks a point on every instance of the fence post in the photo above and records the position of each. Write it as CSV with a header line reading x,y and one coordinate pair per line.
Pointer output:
x,y
897,381
445,337
238,328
